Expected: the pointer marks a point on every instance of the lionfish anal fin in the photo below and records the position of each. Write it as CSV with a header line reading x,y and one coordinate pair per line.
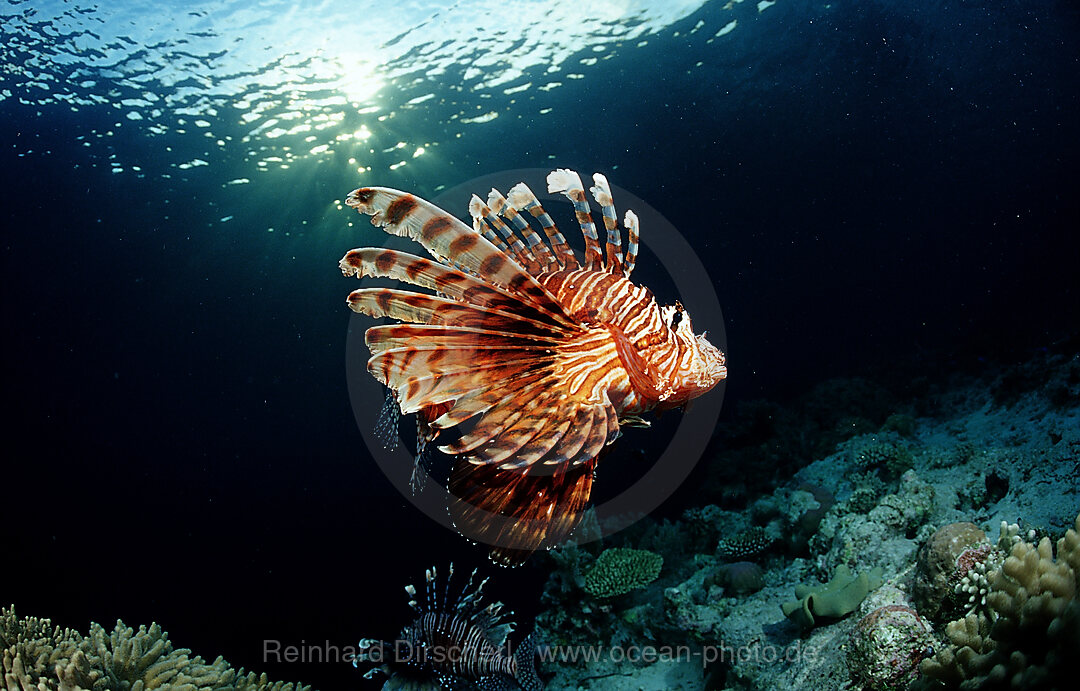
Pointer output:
x,y
533,508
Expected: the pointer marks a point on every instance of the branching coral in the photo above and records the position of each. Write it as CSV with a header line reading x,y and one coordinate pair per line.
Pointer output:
x,y
619,570
1030,636
37,655
884,453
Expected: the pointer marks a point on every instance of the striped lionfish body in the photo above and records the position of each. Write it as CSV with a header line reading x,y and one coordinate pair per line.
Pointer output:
x,y
546,353
454,640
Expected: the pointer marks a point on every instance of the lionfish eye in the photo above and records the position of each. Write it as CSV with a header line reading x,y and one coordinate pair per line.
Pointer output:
x,y
676,318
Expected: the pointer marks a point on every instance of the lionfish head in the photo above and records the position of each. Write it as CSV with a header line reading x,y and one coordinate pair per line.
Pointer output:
x,y
701,364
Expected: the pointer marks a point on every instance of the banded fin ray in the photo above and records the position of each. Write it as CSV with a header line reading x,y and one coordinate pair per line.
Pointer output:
x,y
523,199
483,214
601,192
448,240
568,182
417,308
535,244
379,262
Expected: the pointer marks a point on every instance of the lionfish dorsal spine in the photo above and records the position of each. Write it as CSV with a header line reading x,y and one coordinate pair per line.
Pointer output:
x,y
481,227
568,182
523,199
601,192
449,240
489,215
536,245
432,604
633,240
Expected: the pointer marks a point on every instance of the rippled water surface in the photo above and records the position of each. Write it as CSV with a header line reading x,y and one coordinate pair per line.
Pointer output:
x,y
275,82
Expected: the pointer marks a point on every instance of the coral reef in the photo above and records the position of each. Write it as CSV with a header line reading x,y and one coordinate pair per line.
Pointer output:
x,y
746,544
38,655
1030,638
884,453
740,577
837,598
886,648
619,570
910,489
943,561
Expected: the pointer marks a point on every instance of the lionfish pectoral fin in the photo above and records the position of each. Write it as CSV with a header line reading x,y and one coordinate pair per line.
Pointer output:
x,y
642,378
518,511
537,425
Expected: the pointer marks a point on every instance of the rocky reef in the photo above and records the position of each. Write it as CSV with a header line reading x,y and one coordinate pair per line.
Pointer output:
x,y
870,534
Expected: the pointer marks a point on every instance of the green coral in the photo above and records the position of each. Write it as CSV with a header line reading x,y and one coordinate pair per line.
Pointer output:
x,y
619,570
837,598
746,544
38,655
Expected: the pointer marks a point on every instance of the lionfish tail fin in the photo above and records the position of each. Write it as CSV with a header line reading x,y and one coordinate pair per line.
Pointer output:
x,y
522,671
518,511
525,663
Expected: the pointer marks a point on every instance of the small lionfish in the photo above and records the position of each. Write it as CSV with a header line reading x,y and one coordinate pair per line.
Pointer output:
x,y
550,353
452,644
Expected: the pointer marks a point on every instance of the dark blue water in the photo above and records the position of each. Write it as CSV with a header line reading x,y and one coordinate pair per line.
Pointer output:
x,y
867,182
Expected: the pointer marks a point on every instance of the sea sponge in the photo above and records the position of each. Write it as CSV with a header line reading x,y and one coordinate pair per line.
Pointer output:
x,y
835,599
37,655
619,570
1030,638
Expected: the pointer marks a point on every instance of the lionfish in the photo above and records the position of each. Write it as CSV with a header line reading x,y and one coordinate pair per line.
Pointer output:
x,y
458,642
549,354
